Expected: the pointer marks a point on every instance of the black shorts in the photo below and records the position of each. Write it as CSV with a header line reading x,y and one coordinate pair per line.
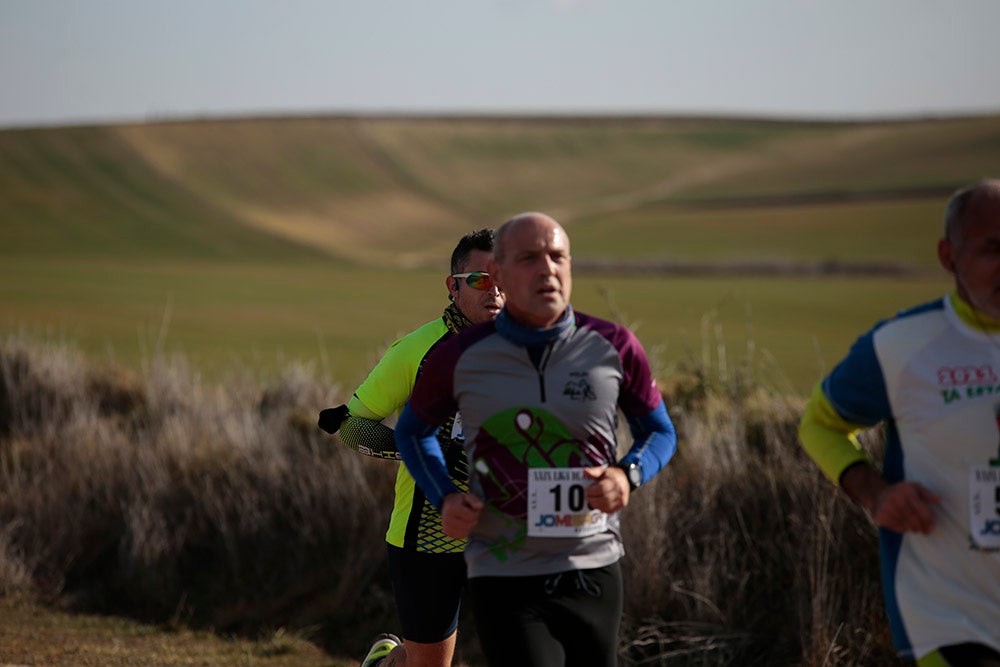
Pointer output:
x,y
966,655
428,591
570,618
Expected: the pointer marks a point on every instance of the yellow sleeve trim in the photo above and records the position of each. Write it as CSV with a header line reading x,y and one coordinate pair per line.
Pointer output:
x,y
829,439
359,409
933,659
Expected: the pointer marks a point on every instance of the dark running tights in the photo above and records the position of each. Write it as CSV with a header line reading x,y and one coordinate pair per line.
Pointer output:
x,y
570,618
969,655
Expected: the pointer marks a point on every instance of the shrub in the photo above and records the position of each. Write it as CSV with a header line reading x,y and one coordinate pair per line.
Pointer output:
x,y
225,507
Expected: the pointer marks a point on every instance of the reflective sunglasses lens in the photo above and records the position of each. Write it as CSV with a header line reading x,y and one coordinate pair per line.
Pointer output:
x,y
480,281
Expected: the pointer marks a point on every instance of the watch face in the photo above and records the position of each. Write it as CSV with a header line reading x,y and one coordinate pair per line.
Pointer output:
x,y
634,474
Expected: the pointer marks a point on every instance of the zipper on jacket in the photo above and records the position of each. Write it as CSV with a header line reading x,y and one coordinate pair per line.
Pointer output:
x,y
539,359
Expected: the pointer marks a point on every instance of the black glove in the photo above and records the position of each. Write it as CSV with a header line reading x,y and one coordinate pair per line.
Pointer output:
x,y
331,418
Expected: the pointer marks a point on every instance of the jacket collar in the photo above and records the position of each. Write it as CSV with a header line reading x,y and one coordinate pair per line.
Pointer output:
x,y
520,334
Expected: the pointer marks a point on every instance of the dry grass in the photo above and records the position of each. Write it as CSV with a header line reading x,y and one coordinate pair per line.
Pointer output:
x,y
741,553
223,508
167,500
33,634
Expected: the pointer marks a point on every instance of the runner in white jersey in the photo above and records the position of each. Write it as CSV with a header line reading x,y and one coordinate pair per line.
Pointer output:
x,y
932,376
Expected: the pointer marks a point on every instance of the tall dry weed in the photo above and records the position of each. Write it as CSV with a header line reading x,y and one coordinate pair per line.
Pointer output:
x,y
164,498
223,505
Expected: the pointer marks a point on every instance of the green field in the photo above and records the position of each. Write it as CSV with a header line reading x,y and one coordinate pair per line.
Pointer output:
x,y
249,244
261,317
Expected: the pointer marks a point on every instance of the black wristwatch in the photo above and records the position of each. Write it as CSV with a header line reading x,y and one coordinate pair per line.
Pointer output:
x,y
633,471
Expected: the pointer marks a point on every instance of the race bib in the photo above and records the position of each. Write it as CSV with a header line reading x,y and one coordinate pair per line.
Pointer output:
x,y
557,504
984,506
457,432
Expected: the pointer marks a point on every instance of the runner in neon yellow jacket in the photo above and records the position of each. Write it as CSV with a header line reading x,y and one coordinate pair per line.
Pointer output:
x,y
426,566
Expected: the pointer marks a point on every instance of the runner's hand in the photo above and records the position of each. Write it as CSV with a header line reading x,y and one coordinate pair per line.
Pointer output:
x,y
459,514
610,490
330,419
906,507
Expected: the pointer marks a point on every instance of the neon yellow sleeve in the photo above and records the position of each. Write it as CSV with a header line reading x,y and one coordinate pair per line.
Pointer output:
x,y
828,439
389,384
385,391
358,409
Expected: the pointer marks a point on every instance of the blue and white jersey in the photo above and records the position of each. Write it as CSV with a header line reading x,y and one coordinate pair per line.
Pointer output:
x,y
933,378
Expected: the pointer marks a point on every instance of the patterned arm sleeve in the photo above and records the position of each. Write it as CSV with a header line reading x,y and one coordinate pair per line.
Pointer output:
x,y
369,437
363,431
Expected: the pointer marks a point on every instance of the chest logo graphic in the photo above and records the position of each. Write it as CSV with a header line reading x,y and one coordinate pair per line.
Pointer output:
x,y
957,383
965,376
579,389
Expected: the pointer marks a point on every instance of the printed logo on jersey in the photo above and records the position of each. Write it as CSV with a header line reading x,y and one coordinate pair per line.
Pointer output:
x,y
508,445
957,383
579,389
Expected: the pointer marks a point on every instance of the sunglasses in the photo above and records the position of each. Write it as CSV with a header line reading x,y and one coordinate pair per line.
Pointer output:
x,y
479,280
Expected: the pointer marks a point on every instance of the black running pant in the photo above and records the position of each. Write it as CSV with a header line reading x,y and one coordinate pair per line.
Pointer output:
x,y
570,618
969,655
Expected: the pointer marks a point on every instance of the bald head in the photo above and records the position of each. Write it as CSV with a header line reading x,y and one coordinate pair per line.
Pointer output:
x,y
531,263
970,249
977,201
531,219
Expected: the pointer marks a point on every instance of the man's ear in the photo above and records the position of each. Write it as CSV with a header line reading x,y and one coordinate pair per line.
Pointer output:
x,y
946,255
449,282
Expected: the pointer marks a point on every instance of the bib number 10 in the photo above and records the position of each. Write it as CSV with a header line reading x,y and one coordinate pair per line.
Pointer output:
x,y
557,504
576,497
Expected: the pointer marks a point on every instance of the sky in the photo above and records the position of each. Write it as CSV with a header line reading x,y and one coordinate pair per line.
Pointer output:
x,y
65,62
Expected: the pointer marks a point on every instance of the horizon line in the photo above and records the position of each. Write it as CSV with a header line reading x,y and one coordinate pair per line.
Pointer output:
x,y
156,118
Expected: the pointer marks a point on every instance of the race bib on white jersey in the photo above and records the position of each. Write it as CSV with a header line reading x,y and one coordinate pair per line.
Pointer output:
x,y
984,506
557,504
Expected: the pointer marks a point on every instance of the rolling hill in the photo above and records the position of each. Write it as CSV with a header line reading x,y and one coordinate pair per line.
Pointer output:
x,y
258,241
362,189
